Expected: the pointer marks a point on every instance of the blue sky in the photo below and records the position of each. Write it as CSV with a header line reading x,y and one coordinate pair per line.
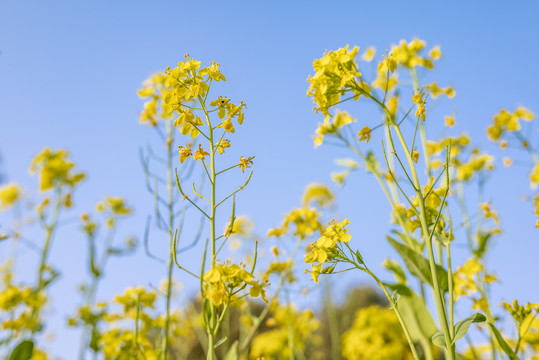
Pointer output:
x,y
70,70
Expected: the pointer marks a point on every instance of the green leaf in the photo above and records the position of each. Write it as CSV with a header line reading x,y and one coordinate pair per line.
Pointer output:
x,y
396,269
409,240
505,347
220,342
418,265
461,328
232,353
415,313
438,339
23,351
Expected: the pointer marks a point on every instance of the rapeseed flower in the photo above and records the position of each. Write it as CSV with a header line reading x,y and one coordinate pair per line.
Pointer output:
x,y
10,194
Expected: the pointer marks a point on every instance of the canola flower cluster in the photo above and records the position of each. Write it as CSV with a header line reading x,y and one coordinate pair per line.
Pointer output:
x,y
375,335
288,329
10,194
224,281
326,248
55,170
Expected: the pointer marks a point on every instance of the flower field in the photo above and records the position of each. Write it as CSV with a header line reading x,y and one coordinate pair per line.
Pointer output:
x,y
343,204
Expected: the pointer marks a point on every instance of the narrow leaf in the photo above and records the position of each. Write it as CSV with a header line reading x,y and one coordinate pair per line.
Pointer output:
x,y
418,265
505,347
232,353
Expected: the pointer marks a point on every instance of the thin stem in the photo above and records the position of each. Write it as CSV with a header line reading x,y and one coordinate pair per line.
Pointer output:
x,y
209,327
49,232
172,255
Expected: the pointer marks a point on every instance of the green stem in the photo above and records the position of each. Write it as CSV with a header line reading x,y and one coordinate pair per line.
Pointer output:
x,y
49,232
210,328
440,308
170,267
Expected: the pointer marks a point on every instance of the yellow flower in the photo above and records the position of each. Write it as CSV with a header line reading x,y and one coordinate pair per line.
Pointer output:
x,y
305,220
409,54
316,253
222,145
376,334
315,272
200,153
477,163
277,232
245,163
435,90
389,63
415,156
213,72
504,121
420,101
227,125
435,53
333,233
325,247
188,122
368,55
335,70
184,152
507,161
318,193
221,281
55,169
534,176
465,277
364,134
257,290
9,195
221,103
189,65
332,127
450,121
489,212
288,329
340,177
116,205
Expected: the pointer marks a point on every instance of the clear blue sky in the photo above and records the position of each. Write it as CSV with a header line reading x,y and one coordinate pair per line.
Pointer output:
x,y
69,71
